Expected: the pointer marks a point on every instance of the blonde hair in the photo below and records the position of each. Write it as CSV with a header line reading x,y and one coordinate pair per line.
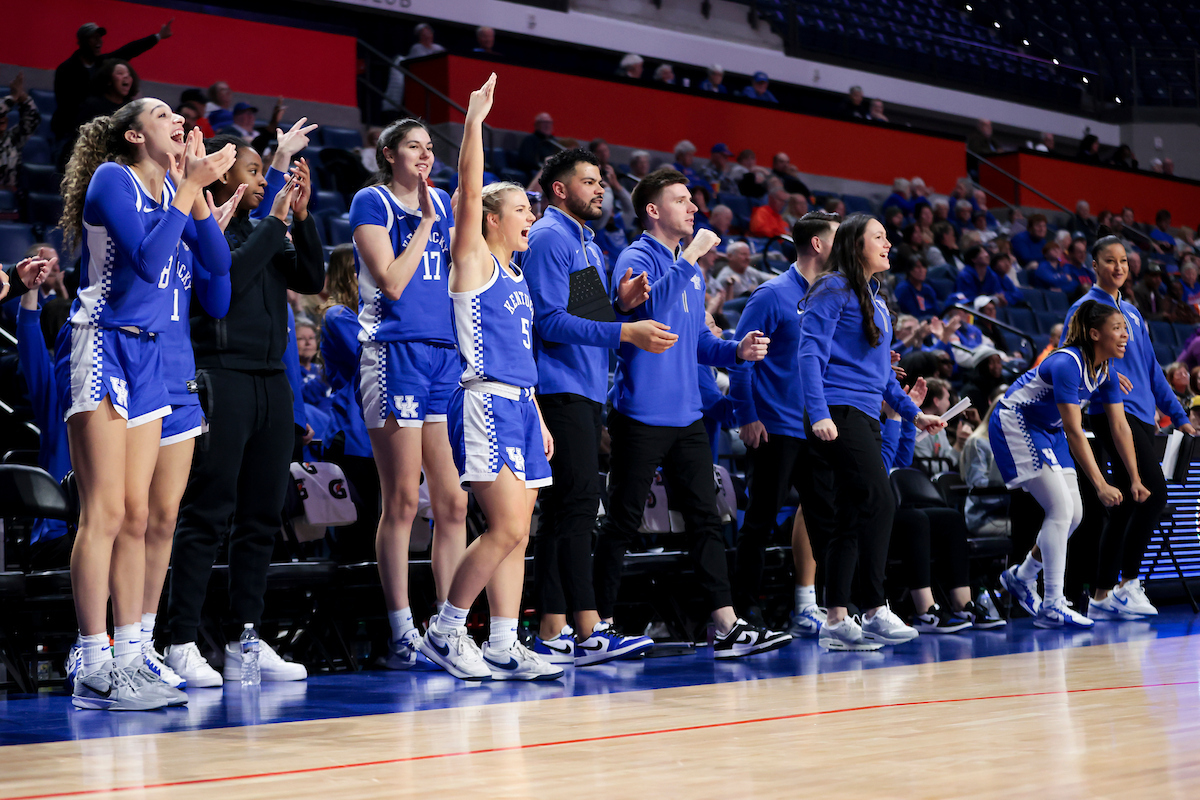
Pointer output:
x,y
342,278
492,199
102,139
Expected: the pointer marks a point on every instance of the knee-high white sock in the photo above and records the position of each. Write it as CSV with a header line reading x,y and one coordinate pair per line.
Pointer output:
x,y
1057,494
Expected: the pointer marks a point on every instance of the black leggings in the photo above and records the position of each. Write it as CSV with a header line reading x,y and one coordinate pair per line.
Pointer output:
x,y
1126,534
937,536
865,504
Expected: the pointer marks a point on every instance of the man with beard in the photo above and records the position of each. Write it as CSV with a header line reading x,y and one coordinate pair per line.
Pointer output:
x,y
576,327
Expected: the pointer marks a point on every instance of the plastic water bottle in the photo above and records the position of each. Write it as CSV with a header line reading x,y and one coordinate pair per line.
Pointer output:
x,y
250,647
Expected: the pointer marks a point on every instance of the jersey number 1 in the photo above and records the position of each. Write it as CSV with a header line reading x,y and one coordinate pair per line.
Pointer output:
x,y
436,275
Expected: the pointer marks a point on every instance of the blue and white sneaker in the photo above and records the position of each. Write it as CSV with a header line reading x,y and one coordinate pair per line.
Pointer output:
x,y
559,650
1024,592
456,653
1110,608
808,621
608,644
1133,597
71,667
403,653
157,666
519,663
1058,613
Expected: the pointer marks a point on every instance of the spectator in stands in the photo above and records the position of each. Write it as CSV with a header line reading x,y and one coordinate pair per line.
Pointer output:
x,y
715,82
113,85
424,46
539,145
757,90
719,171
920,191
751,178
893,218
738,277
72,78
935,453
970,238
1179,310
981,140
720,219
984,319
978,278
914,296
244,118
923,225
985,514
1148,294
1188,280
963,210
1156,166
980,226
783,168
485,40
685,154
220,98
876,113
909,334
767,221
639,167
1083,223
1179,378
853,106
13,139
191,108
834,205
1045,145
631,66
797,207
665,73
1027,245
1079,261
1053,273
901,196
983,373
1123,157
1161,231
1002,265
1052,345
1168,166
1089,149
945,244
941,210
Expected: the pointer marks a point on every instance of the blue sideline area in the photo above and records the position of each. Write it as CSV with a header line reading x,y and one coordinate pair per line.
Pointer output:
x,y
28,719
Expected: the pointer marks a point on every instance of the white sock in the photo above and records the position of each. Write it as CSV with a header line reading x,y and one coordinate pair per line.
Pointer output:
x,y
440,603
127,644
1054,590
401,622
451,617
148,627
95,652
1030,568
805,596
503,634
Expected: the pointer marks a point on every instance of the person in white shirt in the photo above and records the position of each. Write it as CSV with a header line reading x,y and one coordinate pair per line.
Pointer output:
x,y
738,277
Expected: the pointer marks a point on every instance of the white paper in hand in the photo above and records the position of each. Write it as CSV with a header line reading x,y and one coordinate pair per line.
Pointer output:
x,y
958,408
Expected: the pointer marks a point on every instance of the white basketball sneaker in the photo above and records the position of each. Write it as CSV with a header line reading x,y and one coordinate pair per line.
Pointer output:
x,y
185,660
519,663
456,653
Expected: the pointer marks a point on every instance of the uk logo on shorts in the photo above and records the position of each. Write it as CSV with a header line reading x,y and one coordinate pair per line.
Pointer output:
x,y
517,457
1050,457
406,406
121,390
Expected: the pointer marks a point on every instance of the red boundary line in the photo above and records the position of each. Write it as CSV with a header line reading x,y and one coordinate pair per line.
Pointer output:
x,y
609,737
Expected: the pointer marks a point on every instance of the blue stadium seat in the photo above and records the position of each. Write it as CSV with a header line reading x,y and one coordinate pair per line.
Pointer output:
x,y
943,288
1047,320
44,99
36,151
857,205
339,230
329,201
1057,301
344,138
1161,331
40,178
15,239
943,272
1040,340
739,205
1023,319
8,201
1164,353
45,210
1036,298
500,159
1183,333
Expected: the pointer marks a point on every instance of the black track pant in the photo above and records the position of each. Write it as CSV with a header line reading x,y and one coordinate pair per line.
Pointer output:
x,y
239,478
922,537
865,505
686,458
563,547
774,465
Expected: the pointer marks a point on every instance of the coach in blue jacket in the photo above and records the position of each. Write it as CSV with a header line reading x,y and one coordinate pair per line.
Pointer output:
x,y
657,418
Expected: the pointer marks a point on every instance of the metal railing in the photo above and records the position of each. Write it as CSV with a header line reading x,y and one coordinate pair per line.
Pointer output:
x,y
1018,182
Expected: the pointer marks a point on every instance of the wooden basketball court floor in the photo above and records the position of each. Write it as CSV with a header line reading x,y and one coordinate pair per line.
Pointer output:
x,y
1018,713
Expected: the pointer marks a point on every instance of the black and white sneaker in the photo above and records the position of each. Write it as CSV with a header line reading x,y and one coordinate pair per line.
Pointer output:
x,y
982,618
939,620
744,639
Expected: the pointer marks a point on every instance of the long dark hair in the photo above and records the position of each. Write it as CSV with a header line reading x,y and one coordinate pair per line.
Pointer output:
x,y
102,81
846,259
392,136
1091,316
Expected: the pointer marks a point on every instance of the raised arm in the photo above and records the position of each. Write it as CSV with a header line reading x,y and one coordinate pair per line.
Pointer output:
x,y
469,249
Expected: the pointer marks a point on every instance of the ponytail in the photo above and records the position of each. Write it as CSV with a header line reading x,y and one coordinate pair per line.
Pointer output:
x,y
102,139
392,136
493,199
1090,316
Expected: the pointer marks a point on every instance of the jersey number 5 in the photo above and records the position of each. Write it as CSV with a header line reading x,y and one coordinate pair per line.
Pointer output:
x,y
525,334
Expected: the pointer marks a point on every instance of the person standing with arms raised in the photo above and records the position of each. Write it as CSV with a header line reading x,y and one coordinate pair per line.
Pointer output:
x,y
572,343
657,418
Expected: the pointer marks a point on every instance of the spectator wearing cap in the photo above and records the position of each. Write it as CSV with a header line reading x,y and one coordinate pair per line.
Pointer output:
x,y
750,177
901,196
685,155
1148,294
767,221
13,138
757,90
715,82
719,171
73,77
243,125
983,372
914,296
539,145
631,66
978,278
853,106
783,168
1027,245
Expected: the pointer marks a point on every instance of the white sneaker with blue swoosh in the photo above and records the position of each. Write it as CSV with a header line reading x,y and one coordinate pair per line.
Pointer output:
x,y
1135,598
455,652
518,663
1057,613
1113,606
608,644
558,650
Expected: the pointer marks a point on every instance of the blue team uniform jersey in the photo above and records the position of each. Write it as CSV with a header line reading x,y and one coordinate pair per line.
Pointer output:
x,y
129,240
341,350
422,313
494,325
1060,378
